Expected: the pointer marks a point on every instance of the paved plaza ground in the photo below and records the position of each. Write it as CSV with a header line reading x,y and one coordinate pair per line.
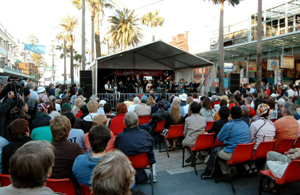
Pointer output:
x,y
175,180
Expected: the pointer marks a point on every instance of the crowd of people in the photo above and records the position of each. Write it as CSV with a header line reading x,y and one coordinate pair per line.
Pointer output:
x,y
64,135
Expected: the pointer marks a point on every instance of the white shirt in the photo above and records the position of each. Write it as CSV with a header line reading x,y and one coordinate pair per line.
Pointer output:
x,y
290,93
57,107
34,94
107,87
131,107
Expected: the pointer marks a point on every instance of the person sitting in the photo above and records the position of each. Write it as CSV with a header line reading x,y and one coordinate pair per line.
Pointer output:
x,y
130,100
87,121
143,109
18,132
223,102
108,87
42,133
280,104
30,167
189,100
224,113
55,102
233,133
248,102
51,110
133,140
151,103
43,98
114,174
181,108
215,101
245,114
65,152
136,101
287,126
148,86
173,119
83,166
194,125
41,116
101,107
196,98
207,111
76,109
107,111
117,124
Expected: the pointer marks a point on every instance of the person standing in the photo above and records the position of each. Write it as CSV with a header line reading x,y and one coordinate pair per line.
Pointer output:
x,y
57,89
81,90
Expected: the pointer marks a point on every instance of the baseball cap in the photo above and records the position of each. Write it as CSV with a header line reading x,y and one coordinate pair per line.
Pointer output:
x,y
66,107
144,98
42,107
102,102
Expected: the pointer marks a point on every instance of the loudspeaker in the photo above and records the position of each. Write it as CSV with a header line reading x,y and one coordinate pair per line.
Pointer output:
x,y
234,82
86,77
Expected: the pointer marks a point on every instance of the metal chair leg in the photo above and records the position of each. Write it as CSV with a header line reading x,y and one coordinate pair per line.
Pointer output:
x,y
159,143
230,179
166,145
151,170
194,159
183,156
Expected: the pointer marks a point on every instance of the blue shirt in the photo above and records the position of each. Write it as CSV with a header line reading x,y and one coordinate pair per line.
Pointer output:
x,y
3,142
83,168
100,110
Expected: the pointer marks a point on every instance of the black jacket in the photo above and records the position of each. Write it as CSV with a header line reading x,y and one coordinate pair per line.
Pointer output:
x,y
160,115
81,92
169,121
246,119
4,108
41,117
217,126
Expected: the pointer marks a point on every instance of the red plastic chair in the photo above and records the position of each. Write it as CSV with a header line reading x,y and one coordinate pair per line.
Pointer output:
x,y
263,149
79,114
204,142
290,175
242,153
144,120
160,126
64,186
297,143
217,143
175,131
87,142
209,125
285,145
86,190
5,180
141,161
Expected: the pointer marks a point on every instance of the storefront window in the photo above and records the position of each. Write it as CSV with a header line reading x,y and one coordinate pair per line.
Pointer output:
x,y
291,24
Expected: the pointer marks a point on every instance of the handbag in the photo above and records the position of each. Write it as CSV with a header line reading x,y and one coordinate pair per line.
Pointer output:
x,y
277,168
165,132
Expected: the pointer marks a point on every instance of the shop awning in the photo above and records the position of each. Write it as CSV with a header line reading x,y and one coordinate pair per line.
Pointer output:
x,y
276,43
157,55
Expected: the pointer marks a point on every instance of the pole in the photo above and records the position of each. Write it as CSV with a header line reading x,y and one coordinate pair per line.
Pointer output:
x,y
83,35
65,61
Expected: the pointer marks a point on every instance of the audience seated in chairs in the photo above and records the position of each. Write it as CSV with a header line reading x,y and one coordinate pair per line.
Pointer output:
x,y
84,164
87,121
133,140
245,114
223,102
18,132
151,103
117,124
194,125
224,113
136,101
143,109
30,167
65,152
173,119
76,109
101,107
41,116
114,175
207,110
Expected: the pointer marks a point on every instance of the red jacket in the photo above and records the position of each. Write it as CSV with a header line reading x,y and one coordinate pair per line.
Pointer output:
x,y
117,124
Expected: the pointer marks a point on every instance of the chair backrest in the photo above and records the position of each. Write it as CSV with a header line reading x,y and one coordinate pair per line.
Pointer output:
x,y
87,142
242,153
79,114
204,141
285,144
144,119
209,124
263,148
291,173
64,186
139,161
217,143
175,131
5,180
297,143
160,126
86,190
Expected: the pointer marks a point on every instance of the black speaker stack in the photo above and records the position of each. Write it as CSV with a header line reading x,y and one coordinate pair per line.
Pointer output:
x,y
234,82
86,77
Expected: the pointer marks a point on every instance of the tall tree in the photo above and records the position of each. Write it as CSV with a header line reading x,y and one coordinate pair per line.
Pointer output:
x,y
221,40
68,25
152,20
124,30
259,47
37,58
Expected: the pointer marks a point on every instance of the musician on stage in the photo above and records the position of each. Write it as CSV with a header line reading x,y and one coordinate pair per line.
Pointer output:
x,y
145,82
149,86
108,88
180,87
129,85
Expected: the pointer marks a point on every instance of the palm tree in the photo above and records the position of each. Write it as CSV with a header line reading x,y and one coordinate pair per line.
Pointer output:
x,y
221,41
152,20
106,41
259,46
124,30
68,25
78,59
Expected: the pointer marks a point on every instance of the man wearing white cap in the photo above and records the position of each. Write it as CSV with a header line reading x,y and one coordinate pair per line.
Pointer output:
x,y
100,109
42,96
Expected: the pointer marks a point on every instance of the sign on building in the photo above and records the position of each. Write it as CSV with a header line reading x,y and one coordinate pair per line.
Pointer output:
x,y
287,61
273,64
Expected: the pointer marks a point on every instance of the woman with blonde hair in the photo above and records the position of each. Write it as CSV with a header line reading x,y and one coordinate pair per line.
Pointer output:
x,y
151,103
76,108
173,119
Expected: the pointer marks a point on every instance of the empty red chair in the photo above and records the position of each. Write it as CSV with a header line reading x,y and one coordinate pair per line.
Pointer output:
x,y
263,149
86,190
290,175
141,161
242,153
204,142
285,145
209,124
175,131
64,186
297,143
217,143
5,180
144,120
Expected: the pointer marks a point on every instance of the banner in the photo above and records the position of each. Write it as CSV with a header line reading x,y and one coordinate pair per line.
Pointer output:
x,y
49,68
273,64
36,48
154,73
287,61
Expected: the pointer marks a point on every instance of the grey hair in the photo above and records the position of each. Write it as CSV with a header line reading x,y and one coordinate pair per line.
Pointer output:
x,y
215,97
52,97
249,100
177,100
131,120
245,110
136,100
290,108
31,85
